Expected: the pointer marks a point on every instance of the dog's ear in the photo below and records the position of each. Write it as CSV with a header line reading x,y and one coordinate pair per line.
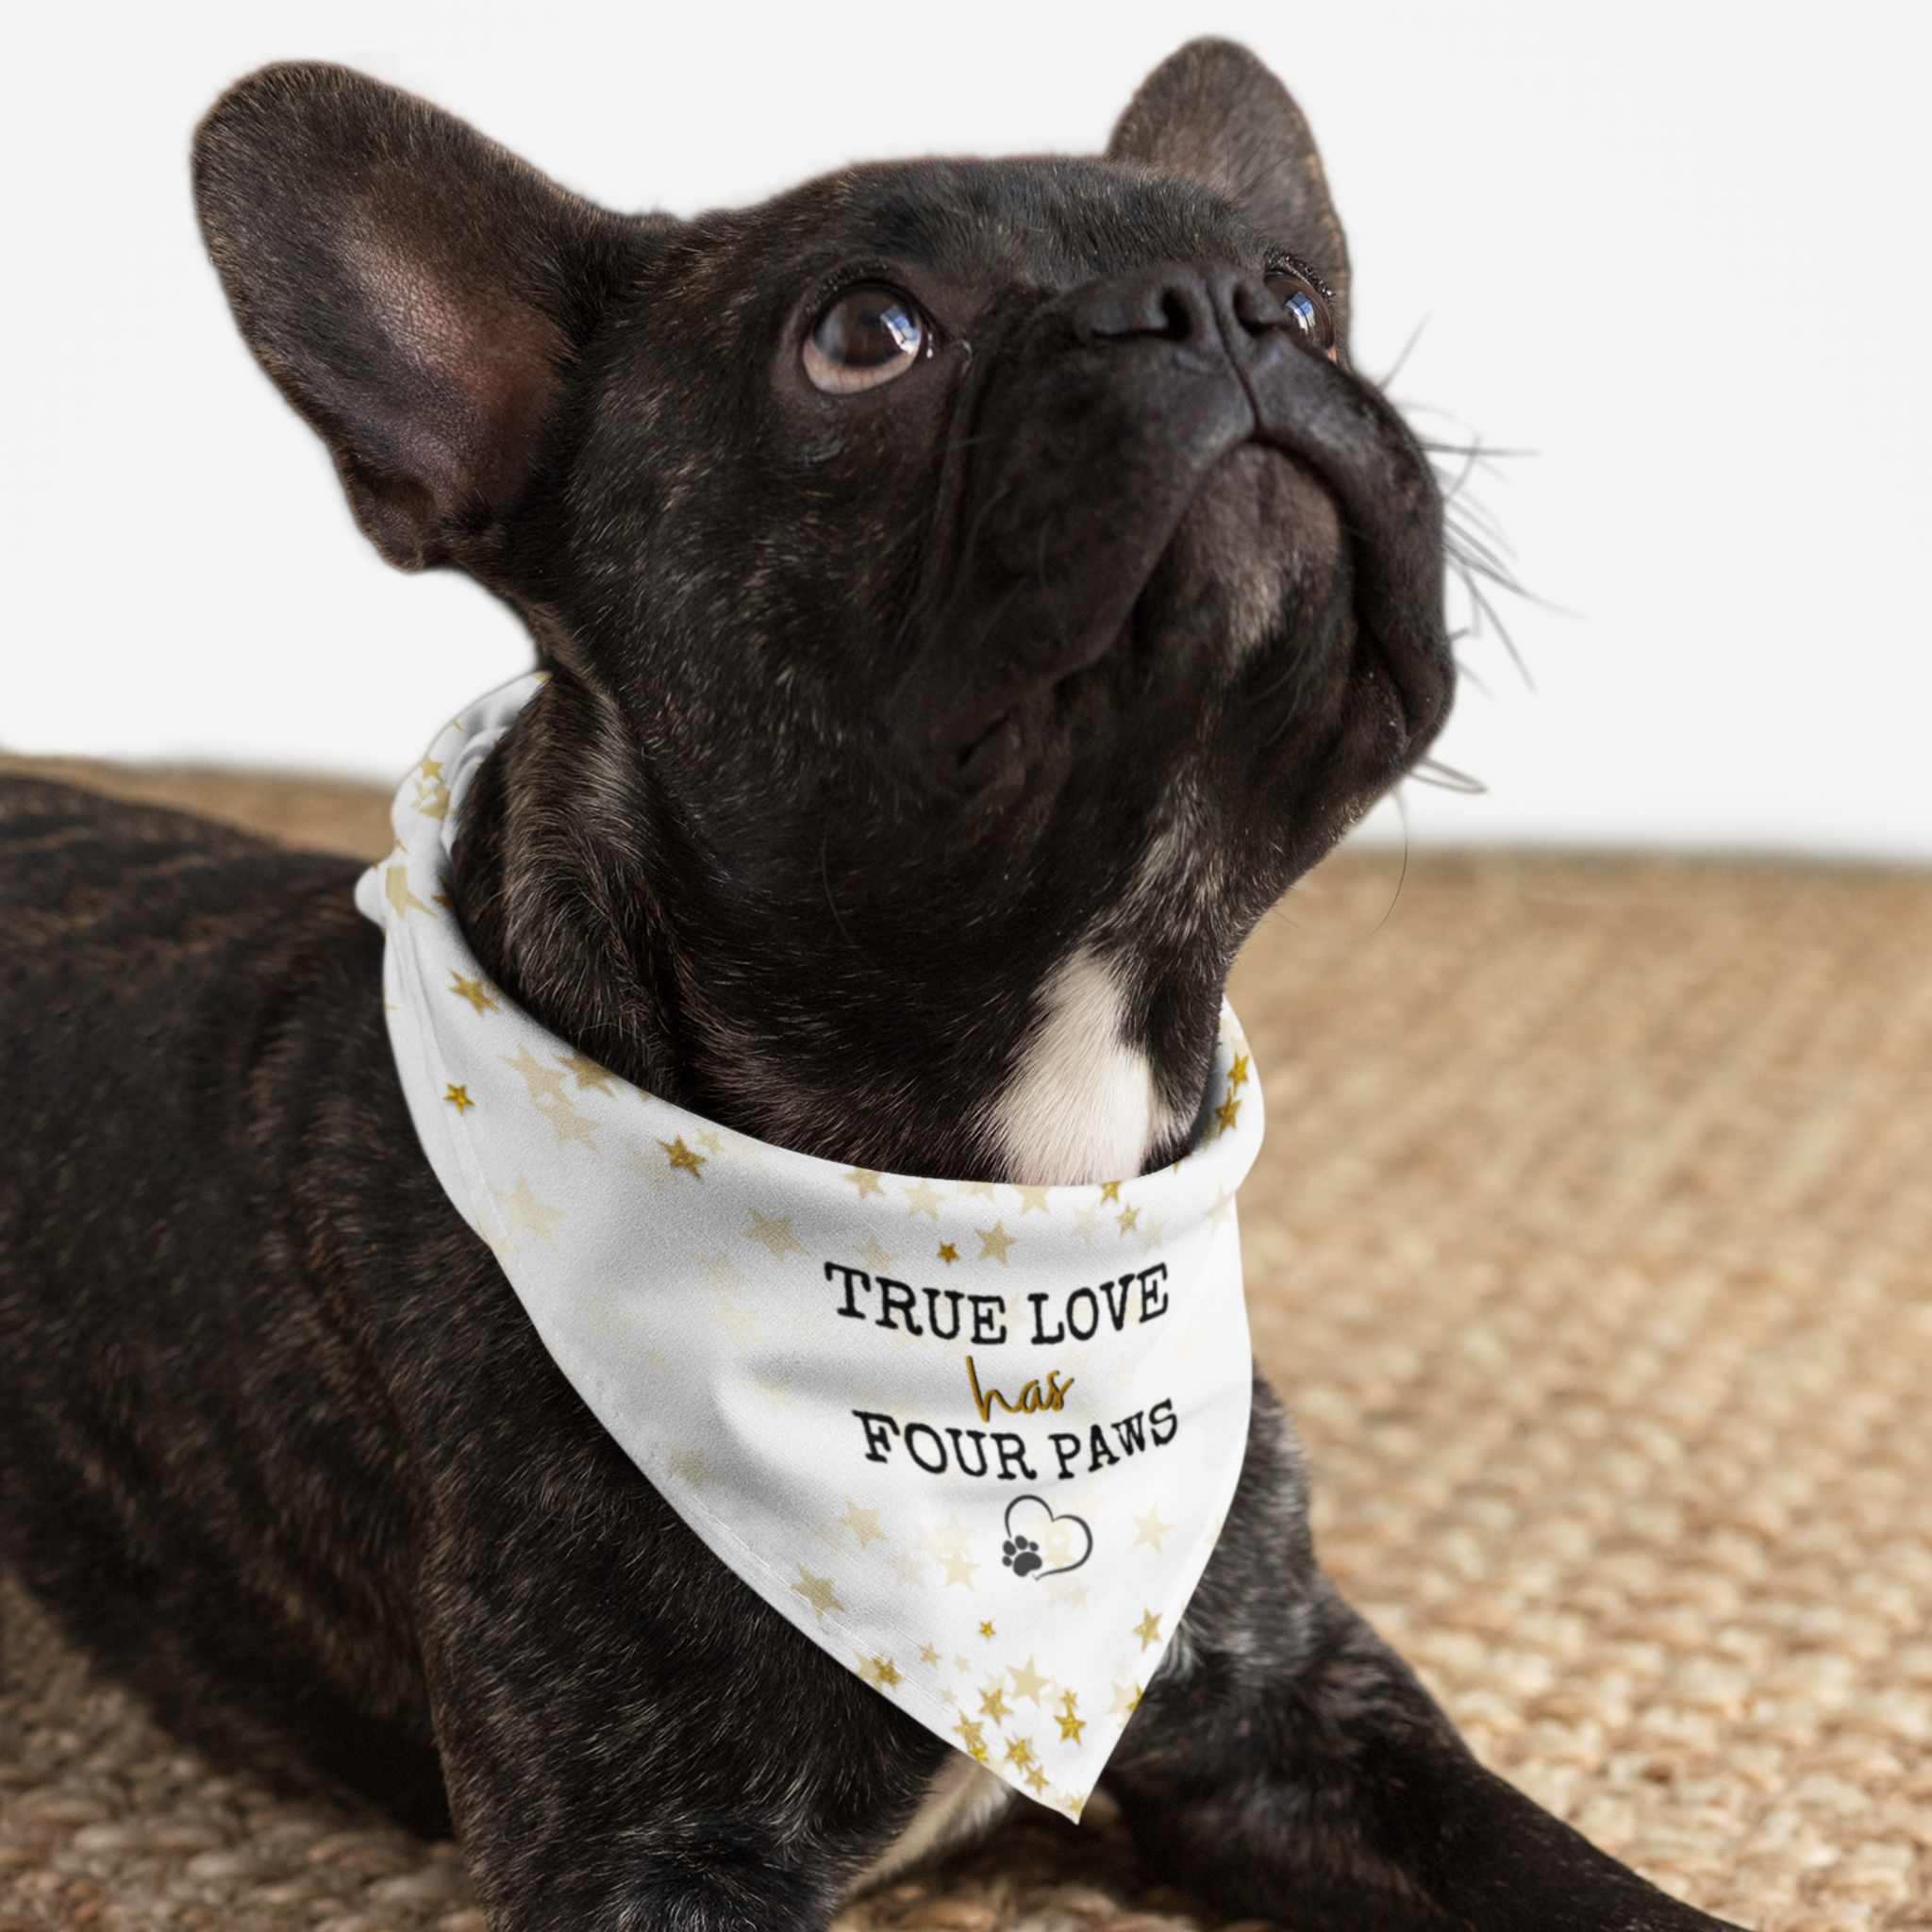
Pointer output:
x,y
1215,113
415,290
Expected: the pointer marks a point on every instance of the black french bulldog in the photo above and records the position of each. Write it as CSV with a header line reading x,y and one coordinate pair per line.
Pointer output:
x,y
974,591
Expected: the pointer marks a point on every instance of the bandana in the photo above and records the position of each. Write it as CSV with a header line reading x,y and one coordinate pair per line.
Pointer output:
x,y
974,1440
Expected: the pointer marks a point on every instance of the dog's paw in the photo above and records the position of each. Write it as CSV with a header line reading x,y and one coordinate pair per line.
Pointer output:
x,y
1022,1555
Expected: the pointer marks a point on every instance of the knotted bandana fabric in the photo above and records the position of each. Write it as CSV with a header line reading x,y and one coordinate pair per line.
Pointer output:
x,y
974,1440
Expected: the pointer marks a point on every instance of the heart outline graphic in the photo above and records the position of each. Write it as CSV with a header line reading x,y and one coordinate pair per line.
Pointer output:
x,y
1040,1575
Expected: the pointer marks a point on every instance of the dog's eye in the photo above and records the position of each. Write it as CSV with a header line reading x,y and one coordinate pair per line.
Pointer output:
x,y
1306,308
865,337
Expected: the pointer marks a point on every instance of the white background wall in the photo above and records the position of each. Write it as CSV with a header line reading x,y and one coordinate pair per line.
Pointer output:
x,y
1677,249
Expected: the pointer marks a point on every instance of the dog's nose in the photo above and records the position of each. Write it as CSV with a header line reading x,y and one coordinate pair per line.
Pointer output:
x,y
1188,307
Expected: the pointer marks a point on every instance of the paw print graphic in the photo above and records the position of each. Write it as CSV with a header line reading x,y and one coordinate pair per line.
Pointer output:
x,y
1020,1556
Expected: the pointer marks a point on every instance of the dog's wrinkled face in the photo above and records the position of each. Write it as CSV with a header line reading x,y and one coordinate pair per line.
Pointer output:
x,y
975,589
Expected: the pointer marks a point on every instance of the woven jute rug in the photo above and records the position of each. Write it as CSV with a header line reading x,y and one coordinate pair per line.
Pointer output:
x,y
1592,1246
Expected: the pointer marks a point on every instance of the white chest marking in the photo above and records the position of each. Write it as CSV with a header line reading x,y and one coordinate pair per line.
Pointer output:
x,y
1080,1105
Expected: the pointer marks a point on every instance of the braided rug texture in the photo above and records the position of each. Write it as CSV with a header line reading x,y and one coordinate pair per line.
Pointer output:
x,y
1591,1247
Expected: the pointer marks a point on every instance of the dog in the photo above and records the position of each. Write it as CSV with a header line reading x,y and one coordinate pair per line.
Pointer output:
x,y
971,593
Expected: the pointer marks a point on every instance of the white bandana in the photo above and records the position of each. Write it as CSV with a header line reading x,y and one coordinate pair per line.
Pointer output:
x,y
975,1440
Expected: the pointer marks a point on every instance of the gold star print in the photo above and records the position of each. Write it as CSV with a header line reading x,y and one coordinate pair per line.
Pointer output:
x,y
1063,1590
1225,1112
687,1466
948,1540
1027,1682
1149,1237
868,1180
443,897
395,886
1148,1630
1033,1197
1151,1530
711,1142
570,1124
472,989
540,1082
1070,1725
523,1213
1037,1778
1085,1220
774,1232
985,1630
875,1255
648,1167
458,1097
1224,1205
719,1272
928,1657
680,1156
992,1704
958,1570
963,1191
817,1592
1109,1190
909,1566
1020,1752
1129,1215
962,1665
995,1242
925,1199
969,1729
863,1523
739,1322
1126,1696
1238,1073
588,1072
881,1673
948,1253
429,770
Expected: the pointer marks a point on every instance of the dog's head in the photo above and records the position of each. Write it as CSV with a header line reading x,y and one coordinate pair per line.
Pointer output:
x,y
975,590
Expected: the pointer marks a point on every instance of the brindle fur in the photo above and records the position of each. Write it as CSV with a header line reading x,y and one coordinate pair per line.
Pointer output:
x,y
866,712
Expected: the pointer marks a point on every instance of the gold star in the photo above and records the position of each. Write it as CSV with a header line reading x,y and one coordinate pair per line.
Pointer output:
x,y
948,1253
959,1570
523,1212
1148,1628
1085,1220
395,885
1238,1073
925,1199
992,1704
1109,1190
817,1592
458,1097
1129,1215
710,1141
881,1673
430,769
868,1180
1149,1237
774,1232
472,989
719,1272
1151,1530
1063,1590
1020,1752
739,1322
1224,1204
570,1124
679,1155
1033,1197
948,1540
985,1630
995,1242
964,1190
1027,1682
540,1082
969,1729
687,1466
1070,1725
909,1566
647,1167
1225,1112
1037,1778
863,1523
588,1072
928,1657
875,1255
1126,1696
